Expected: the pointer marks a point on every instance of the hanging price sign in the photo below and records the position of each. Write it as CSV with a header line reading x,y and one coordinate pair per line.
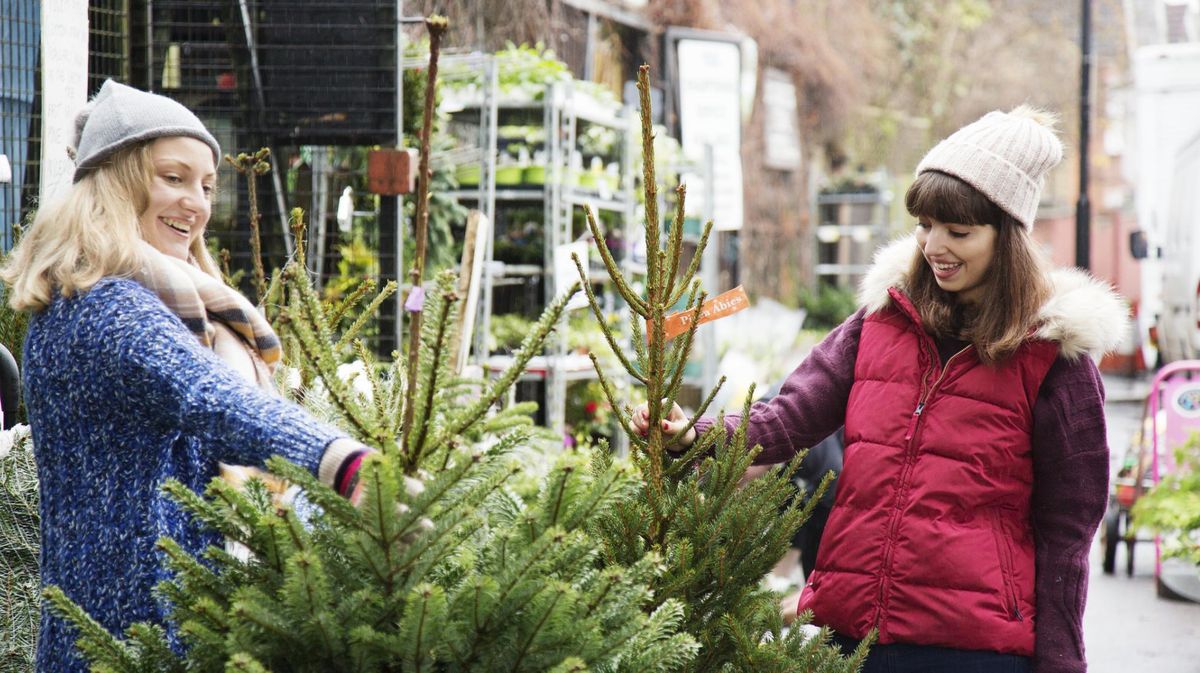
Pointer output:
x,y
720,306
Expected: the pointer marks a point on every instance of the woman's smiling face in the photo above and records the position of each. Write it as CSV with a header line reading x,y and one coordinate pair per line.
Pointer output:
x,y
180,194
959,255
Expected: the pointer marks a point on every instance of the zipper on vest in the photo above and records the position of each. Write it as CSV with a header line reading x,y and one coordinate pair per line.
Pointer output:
x,y
1007,573
912,423
926,394
905,473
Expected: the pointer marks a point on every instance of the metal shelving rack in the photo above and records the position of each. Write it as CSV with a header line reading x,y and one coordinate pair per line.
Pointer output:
x,y
564,108
851,225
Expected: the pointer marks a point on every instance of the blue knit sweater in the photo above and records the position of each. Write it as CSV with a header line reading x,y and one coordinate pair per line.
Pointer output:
x,y
120,397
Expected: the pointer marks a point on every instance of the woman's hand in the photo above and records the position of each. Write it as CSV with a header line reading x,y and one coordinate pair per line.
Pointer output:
x,y
672,425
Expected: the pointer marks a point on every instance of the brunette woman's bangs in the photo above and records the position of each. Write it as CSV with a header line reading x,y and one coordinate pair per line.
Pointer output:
x,y
945,198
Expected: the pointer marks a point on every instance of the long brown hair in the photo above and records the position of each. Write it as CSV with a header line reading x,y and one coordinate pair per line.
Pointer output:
x,y
1016,285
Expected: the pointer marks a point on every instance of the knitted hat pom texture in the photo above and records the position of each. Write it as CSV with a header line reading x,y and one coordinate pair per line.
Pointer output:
x,y
1004,155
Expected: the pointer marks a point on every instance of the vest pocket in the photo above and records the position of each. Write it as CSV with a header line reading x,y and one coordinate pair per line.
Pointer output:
x,y
1008,589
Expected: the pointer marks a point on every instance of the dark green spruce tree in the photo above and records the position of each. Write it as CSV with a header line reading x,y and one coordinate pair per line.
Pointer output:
x,y
717,540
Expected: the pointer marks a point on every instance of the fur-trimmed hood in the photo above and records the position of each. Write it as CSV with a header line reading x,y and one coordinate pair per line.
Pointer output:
x,y
1083,314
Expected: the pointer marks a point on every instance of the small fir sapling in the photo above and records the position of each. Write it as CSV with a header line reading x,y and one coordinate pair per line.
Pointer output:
x,y
717,538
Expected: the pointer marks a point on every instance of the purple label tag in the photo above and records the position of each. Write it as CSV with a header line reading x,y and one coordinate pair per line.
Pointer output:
x,y
416,300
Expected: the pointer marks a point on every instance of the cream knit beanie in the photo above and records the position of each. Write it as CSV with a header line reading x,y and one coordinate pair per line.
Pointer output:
x,y
120,115
1004,155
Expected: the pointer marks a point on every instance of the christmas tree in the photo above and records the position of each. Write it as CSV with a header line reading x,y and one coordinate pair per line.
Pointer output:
x,y
717,539
19,544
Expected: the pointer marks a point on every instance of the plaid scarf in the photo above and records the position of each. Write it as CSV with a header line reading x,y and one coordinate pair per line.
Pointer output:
x,y
198,299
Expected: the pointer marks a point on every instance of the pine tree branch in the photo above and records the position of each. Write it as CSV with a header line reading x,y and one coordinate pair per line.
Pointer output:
x,y
610,264
415,450
523,650
693,265
351,300
378,401
271,302
338,392
322,358
560,488
608,335
366,315
298,236
93,638
198,577
649,181
304,300
619,410
244,663
245,610
539,548
682,348
436,25
676,242
305,580
531,345
252,166
639,341
612,484
425,594
395,394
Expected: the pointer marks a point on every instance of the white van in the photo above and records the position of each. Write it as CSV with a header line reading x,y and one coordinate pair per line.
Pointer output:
x,y
1179,318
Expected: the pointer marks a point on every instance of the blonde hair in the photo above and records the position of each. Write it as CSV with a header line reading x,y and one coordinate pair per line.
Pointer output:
x,y
90,233
1016,287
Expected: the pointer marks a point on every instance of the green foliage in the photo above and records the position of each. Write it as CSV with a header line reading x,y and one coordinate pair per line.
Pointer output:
x,y
507,331
19,545
717,539
356,261
524,73
1172,507
828,306
14,324
496,584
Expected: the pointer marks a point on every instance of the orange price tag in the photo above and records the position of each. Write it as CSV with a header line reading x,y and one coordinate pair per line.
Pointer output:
x,y
720,306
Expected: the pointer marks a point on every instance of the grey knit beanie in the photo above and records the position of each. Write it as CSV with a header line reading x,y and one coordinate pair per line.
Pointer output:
x,y
1004,155
119,116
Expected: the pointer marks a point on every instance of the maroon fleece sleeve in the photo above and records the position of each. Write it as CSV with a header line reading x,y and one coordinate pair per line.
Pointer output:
x,y
810,405
1070,493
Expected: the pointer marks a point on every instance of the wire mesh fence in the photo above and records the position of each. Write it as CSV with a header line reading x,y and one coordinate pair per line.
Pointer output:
x,y
20,124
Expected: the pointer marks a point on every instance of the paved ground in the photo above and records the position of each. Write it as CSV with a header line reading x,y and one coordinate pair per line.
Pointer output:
x,y
1127,628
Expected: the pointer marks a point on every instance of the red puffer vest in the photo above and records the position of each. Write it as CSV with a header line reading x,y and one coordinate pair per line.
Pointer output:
x,y
930,538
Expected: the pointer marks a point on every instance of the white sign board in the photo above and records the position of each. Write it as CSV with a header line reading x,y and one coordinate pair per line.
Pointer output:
x,y
781,127
710,114
64,88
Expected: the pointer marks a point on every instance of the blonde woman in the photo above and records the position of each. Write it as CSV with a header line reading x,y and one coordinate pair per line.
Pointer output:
x,y
140,363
